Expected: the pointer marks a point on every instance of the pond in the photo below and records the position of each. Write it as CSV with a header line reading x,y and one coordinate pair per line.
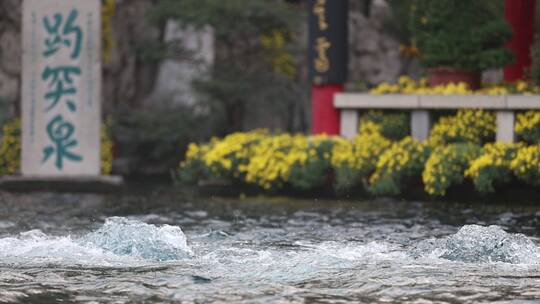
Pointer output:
x,y
154,245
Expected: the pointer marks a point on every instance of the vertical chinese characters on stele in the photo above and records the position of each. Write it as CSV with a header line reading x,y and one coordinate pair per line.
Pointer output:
x,y
62,34
321,63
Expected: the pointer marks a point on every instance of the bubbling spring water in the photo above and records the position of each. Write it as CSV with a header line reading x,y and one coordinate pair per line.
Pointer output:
x,y
121,237
127,260
478,244
119,242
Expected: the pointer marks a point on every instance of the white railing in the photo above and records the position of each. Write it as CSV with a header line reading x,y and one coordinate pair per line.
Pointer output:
x,y
350,105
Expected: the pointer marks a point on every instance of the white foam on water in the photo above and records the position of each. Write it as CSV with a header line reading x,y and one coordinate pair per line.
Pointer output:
x,y
123,236
36,248
300,262
126,242
372,251
7,224
479,244
119,242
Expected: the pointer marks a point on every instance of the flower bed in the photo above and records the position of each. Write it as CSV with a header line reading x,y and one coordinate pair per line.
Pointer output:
x,y
379,160
407,85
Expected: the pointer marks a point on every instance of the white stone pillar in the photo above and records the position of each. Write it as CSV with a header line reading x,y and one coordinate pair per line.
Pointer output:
x,y
348,123
505,126
420,124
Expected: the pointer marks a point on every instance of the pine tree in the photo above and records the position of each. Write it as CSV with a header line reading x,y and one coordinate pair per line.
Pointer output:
x,y
460,34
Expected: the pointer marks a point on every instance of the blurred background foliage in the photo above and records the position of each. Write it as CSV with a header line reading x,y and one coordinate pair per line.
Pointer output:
x,y
256,80
401,10
149,142
458,34
256,64
4,111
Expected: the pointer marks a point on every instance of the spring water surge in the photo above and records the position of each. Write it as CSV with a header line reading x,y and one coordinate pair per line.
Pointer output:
x,y
320,256
477,244
121,241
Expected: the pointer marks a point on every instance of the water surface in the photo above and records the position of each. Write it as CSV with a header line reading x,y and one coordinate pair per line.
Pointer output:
x,y
158,246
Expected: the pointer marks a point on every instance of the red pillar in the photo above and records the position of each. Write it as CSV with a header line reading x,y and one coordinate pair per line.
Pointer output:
x,y
520,15
325,117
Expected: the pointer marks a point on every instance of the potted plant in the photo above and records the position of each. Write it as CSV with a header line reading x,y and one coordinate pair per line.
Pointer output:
x,y
458,39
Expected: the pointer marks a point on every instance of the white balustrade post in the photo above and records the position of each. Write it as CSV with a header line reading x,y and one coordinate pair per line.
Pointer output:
x,y
505,126
420,124
349,123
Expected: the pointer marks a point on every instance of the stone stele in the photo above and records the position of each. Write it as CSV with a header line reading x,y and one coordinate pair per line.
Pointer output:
x,y
61,88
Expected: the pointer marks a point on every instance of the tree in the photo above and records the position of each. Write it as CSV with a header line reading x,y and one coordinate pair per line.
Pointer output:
x,y
466,35
254,66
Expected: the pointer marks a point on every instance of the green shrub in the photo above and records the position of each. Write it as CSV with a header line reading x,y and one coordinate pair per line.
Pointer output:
x,y
526,164
394,126
492,167
528,126
314,173
402,161
194,171
347,179
355,160
155,139
446,166
460,34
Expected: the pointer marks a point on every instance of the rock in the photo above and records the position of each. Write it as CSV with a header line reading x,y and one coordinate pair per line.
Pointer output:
x,y
9,87
374,55
10,46
10,10
173,84
127,78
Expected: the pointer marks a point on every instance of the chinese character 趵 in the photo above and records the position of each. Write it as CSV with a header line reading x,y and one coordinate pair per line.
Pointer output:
x,y
60,36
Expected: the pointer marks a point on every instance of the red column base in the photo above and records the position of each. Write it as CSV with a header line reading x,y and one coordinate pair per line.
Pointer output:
x,y
325,117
